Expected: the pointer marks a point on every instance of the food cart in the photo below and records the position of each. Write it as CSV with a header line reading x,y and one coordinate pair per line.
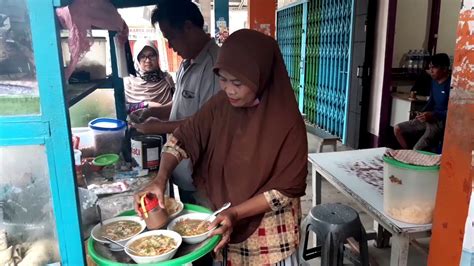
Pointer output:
x,y
40,208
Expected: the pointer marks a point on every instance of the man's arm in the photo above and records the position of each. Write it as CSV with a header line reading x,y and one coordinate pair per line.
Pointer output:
x,y
155,126
430,104
161,112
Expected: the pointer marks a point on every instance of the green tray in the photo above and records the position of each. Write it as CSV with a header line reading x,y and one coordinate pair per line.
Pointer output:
x,y
190,257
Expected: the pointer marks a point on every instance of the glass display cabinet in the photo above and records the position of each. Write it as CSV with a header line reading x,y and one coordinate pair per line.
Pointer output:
x,y
39,208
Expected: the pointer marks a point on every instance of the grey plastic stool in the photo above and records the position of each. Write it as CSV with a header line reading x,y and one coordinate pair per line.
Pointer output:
x,y
333,224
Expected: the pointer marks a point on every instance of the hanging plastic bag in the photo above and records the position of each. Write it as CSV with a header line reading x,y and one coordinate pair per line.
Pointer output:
x,y
79,17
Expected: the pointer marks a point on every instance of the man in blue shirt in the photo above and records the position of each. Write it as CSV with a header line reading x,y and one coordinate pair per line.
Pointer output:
x,y
427,128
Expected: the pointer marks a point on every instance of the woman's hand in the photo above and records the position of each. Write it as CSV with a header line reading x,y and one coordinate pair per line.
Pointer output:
x,y
226,220
157,187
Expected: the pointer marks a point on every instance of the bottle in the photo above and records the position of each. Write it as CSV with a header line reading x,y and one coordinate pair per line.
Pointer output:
x,y
410,61
155,217
426,59
417,61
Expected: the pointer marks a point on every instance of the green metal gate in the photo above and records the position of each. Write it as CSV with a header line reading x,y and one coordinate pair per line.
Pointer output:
x,y
325,57
289,24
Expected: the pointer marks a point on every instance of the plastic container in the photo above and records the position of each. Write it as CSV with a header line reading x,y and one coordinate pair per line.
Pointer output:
x,y
106,159
108,135
146,151
86,139
409,191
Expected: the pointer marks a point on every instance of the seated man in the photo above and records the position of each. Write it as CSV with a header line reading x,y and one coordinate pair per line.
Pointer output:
x,y
427,129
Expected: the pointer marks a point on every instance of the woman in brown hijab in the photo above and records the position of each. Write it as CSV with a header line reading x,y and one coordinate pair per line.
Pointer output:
x,y
151,86
248,147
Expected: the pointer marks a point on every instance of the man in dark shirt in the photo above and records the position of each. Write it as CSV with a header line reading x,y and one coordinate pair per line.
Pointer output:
x,y
427,128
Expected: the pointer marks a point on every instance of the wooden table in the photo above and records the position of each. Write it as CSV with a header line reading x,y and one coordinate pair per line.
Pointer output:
x,y
343,171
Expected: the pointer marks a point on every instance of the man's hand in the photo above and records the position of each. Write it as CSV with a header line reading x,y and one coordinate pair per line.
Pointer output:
x,y
157,187
426,117
140,115
151,125
226,220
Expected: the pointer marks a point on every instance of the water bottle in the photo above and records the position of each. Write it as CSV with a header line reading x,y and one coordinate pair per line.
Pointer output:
x,y
415,61
410,60
426,59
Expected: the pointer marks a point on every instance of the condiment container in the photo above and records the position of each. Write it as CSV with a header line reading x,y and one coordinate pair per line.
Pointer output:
x,y
146,151
155,217
409,191
109,134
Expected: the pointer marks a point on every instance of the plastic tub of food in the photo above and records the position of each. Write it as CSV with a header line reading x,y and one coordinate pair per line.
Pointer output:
x,y
108,135
409,191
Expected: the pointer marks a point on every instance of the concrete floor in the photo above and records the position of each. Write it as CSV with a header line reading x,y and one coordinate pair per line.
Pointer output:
x,y
331,194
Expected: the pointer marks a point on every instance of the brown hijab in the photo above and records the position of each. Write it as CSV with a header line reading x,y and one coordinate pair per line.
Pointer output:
x,y
239,153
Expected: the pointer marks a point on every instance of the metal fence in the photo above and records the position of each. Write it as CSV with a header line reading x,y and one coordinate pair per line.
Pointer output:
x,y
289,24
318,62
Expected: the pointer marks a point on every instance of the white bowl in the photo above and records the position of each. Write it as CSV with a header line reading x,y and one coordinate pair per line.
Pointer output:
x,y
149,259
95,233
194,216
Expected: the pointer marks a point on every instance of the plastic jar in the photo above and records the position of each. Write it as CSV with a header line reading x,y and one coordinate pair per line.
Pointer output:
x,y
409,191
109,135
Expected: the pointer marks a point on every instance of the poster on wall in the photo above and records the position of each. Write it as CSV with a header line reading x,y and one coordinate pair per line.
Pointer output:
x,y
142,33
264,28
222,30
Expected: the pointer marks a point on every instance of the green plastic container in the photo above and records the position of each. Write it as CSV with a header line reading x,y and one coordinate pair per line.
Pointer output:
x,y
188,258
409,191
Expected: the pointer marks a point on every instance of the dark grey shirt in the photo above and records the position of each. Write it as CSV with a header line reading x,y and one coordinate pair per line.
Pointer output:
x,y
196,83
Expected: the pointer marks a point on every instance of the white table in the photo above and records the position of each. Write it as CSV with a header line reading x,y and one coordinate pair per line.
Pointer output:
x,y
336,167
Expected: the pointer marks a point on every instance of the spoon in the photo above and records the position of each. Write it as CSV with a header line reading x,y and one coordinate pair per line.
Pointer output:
x,y
118,244
99,213
224,207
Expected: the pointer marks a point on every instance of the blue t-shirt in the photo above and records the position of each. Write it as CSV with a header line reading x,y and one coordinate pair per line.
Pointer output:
x,y
439,97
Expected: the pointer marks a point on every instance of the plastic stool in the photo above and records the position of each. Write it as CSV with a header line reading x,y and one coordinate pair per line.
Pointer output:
x,y
333,224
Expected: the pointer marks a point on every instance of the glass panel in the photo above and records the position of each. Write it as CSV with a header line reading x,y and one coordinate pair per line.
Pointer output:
x,y
18,87
26,213
100,103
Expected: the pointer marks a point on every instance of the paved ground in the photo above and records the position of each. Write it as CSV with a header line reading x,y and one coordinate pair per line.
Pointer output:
x,y
331,194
